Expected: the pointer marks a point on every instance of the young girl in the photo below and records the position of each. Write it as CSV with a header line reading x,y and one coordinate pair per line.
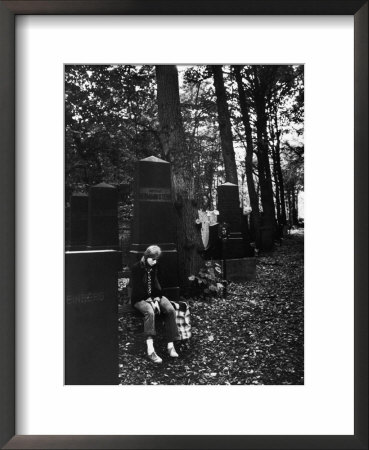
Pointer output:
x,y
147,297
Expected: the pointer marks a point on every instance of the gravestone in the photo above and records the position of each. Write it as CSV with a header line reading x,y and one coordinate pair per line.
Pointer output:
x,y
154,219
103,217
266,238
241,269
248,250
91,317
78,221
230,213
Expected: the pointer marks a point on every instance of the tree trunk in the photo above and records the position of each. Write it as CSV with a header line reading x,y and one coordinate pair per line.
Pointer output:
x,y
249,154
289,201
225,128
265,177
294,206
174,147
279,171
277,188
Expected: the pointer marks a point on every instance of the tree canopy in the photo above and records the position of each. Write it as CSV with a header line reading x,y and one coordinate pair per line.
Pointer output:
x,y
240,122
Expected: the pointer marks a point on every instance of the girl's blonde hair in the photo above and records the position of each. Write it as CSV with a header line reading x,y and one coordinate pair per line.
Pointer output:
x,y
152,251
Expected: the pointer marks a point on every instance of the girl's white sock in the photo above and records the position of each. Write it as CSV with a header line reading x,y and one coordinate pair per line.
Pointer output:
x,y
150,346
170,345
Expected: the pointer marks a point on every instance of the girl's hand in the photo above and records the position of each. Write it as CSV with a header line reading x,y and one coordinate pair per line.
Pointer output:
x,y
156,307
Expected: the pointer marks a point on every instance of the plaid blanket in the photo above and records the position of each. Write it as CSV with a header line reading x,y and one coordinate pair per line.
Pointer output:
x,y
183,319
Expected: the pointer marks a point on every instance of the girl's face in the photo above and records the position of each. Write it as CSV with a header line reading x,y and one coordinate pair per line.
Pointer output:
x,y
151,261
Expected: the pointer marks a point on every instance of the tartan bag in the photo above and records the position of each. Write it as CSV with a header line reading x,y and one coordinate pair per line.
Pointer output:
x,y
182,310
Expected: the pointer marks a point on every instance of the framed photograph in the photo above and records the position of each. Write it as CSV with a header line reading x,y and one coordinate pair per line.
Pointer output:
x,y
89,91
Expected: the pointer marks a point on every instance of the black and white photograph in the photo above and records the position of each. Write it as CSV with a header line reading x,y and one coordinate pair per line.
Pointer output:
x,y
184,224
163,237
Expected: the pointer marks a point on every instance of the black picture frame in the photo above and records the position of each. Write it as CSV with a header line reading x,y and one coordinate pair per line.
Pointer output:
x,y
8,11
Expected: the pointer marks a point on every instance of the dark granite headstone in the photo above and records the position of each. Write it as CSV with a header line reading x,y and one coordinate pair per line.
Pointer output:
x,y
266,238
230,212
248,250
252,227
103,217
229,206
154,219
91,317
78,221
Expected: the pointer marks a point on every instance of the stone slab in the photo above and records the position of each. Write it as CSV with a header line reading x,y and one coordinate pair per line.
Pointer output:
x,y
91,317
78,221
154,220
241,269
103,217
233,247
229,206
266,238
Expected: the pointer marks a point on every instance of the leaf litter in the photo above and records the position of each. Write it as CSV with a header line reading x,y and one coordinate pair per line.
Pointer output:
x,y
254,336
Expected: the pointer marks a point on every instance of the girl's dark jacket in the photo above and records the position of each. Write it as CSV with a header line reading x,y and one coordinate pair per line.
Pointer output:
x,y
139,285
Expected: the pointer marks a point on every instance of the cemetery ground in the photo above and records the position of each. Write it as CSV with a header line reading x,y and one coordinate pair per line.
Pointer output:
x,y
253,336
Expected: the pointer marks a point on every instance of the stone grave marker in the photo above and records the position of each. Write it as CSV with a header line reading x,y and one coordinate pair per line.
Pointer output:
x,y
78,221
154,219
103,217
248,250
241,269
230,212
266,238
266,235
91,317
235,251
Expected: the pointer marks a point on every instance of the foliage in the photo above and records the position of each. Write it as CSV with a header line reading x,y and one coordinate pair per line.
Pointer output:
x,y
209,280
111,121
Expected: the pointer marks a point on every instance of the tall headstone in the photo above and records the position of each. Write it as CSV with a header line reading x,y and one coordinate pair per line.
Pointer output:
x,y
154,219
230,213
248,250
103,217
266,238
266,235
78,221
91,317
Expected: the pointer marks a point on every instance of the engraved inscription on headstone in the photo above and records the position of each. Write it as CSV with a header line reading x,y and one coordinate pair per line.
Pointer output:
x,y
155,194
84,297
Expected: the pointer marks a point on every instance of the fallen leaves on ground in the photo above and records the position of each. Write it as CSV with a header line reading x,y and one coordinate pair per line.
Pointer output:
x,y
253,336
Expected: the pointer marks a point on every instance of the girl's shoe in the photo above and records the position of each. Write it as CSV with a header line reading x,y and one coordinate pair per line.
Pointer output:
x,y
155,358
172,352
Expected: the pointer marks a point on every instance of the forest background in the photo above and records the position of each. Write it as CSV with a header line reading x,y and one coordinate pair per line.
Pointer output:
x,y
215,124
